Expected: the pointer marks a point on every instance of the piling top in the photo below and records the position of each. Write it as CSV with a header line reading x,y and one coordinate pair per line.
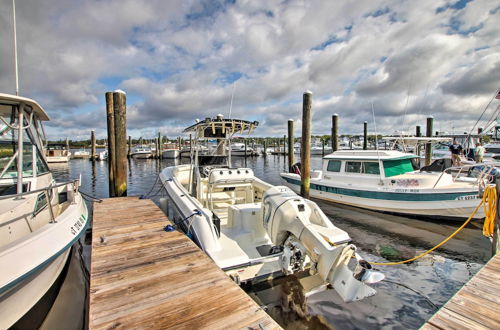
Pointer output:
x,y
336,114
430,117
119,91
290,119
308,92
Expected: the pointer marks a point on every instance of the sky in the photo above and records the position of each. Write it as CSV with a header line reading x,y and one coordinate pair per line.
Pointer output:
x,y
390,63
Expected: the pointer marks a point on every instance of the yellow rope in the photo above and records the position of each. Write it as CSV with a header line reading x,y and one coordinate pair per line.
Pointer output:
x,y
490,210
489,198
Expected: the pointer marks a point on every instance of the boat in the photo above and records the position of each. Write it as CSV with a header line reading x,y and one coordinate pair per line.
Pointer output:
x,y
40,219
254,230
103,155
170,154
142,152
57,153
81,154
390,181
238,149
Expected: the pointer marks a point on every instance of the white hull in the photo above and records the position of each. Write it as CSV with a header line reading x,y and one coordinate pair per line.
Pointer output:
x,y
143,155
170,154
58,159
31,262
451,208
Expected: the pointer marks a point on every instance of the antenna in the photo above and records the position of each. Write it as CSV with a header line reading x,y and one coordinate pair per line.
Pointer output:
x,y
15,46
232,96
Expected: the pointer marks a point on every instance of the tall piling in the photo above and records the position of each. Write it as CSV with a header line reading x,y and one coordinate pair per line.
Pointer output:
x,y
67,144
111,142
428,146
290,145
93,155
365,135
246,147
305,148
265,147
129,153
322,147
120,114
335,132
418,133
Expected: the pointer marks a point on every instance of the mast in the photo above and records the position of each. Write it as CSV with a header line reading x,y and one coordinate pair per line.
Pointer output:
x,y
15,47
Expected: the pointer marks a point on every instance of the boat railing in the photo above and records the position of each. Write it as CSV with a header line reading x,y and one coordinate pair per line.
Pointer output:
x,y
48,191
457,171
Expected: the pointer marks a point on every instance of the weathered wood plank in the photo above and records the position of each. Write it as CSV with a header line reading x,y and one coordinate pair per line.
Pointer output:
x,y
145,278
476,305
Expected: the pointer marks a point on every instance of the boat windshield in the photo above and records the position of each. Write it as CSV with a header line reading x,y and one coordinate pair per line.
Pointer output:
x,y
33,162
394,167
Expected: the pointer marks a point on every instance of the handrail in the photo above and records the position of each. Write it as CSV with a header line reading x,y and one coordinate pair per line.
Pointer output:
x,y
460,168
40,190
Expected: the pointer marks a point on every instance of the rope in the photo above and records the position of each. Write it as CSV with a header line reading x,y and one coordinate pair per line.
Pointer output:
x,y
490,210
89,197
488,199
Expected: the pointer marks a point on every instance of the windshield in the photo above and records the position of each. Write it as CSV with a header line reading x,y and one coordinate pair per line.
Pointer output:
x,y
397,167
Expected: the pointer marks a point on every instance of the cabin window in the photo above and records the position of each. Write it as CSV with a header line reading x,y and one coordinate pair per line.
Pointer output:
x,y
371,168
353,167
41,202
334,165
397,167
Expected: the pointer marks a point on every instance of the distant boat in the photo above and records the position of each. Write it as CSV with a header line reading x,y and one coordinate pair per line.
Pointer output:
x,y
388,181
103,155
142,152
170,154
238,149
57,153
81,154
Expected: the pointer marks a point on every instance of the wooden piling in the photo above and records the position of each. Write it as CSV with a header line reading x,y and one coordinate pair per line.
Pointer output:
x,y
305,149
365,135
418,133
111,143
322,147
67,144
129,153
245,142
335,132
120,114
265,147
93,155
428,146
160,144
290,145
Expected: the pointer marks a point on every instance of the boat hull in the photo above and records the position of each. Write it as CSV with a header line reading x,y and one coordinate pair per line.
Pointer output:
x,y
170,154
58,159
442,205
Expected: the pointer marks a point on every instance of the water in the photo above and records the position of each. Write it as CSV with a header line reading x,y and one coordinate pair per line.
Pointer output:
x,y
409,296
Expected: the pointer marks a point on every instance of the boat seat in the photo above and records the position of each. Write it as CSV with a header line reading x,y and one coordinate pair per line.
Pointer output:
x,y
246,219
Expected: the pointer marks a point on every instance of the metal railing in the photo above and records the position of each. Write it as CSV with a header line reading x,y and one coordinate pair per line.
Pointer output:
x,y
48,194
486,171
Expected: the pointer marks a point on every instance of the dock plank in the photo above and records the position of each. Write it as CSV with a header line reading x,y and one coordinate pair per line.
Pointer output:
x,y
476,305
145,278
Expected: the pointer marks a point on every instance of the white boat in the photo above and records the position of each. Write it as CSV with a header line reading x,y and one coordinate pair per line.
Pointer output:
x,y
57,153
81,154
170,154
387,181
39,218
142,152
253,230
238,149
103,155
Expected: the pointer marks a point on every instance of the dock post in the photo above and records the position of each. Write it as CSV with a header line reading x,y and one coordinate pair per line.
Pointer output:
x,y
246,142
428,146
365,135
322,147
120,114
129,153
305,148
290,145
111,142
335,132
284,146
265,147
67,144
179,142
418,133
92,142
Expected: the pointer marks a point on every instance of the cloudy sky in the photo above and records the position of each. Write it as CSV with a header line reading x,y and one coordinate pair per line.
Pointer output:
x,y
181,60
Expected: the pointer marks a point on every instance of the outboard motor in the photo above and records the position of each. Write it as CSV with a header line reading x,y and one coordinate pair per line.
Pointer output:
x,y
310,239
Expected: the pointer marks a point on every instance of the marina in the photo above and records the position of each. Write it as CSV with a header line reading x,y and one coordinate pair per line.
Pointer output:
x,y
251,165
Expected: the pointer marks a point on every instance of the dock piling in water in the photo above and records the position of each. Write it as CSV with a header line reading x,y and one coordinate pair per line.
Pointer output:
x,y
305,149
335,132
290,145
428,146
93,155
111,142
120,117
365,135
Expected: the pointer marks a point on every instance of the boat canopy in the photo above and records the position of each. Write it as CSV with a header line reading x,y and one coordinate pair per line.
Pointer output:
x,y
219,126
412,140
7,100
370,155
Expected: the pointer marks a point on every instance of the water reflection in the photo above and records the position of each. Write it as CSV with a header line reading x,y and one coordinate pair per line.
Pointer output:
x,y
409,296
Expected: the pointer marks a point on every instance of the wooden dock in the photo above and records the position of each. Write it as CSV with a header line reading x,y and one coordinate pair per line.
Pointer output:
x,y
145,278
476,305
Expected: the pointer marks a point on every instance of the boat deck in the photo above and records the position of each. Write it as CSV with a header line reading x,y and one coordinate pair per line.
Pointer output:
x,y
144,277
476,305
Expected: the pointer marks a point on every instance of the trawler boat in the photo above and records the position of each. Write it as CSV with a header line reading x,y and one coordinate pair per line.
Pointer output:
x,y
251,229
170,154
142,152
238,149
81,154
388,181
39,218
57,153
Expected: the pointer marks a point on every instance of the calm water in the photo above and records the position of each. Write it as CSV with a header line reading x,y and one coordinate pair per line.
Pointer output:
x,y
408,297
